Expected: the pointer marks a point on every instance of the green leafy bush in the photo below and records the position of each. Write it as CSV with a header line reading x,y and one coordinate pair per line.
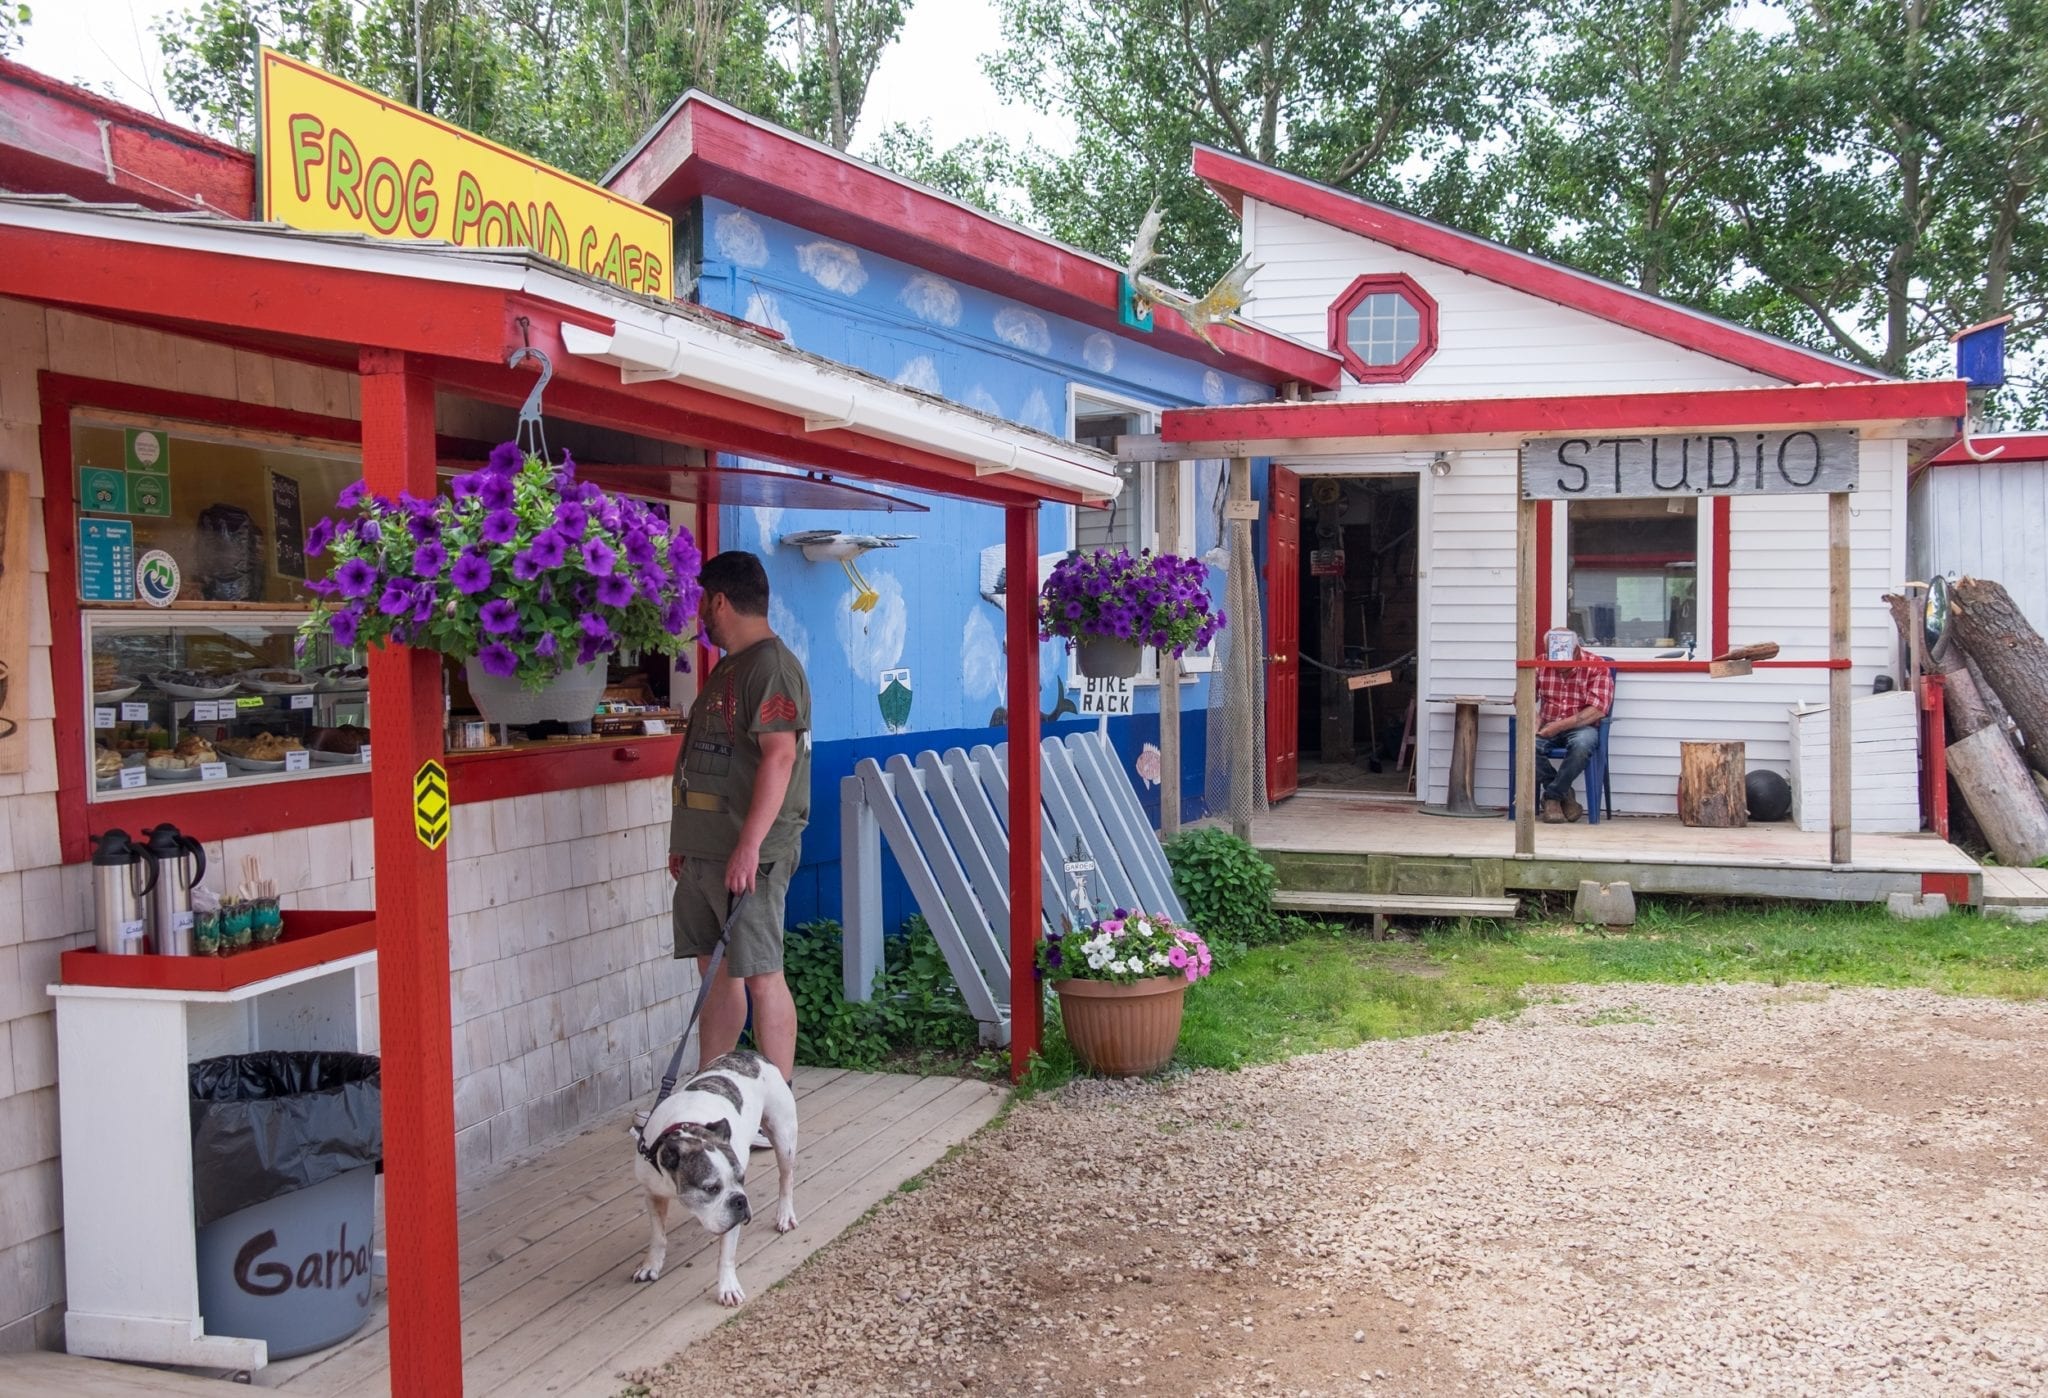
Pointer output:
x,y
1225,884
916,1004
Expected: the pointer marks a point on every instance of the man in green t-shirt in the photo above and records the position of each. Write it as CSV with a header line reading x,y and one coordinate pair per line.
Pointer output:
x,y
741,799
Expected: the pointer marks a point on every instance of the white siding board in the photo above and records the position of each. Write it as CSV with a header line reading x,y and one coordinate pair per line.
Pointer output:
x,y
1986,521
1493,341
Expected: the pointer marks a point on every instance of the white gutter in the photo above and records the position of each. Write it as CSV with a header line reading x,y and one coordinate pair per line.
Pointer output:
x,y
703,357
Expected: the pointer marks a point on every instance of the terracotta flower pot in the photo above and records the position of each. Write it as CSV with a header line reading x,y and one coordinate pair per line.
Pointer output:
x,y
1123,1031
1107,658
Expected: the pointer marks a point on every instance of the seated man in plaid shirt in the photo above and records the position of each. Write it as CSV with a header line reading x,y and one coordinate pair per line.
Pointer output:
x,y
1569,706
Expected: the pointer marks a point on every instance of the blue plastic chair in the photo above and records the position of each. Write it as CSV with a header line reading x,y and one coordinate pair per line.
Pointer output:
x,y
1597,775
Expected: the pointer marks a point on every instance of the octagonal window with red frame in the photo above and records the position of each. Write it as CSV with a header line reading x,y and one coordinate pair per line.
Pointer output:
x,y
1383,327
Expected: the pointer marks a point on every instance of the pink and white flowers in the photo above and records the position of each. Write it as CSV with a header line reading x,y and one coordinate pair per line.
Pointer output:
x,y
1125,947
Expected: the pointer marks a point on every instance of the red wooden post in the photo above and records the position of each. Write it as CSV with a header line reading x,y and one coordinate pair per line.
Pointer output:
x,y
425,1293
1020,620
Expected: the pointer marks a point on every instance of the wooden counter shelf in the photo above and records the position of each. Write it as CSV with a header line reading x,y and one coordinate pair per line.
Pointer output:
x,y
311,938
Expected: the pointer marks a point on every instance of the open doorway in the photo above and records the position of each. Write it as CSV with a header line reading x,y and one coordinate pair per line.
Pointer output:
x,y
1358,632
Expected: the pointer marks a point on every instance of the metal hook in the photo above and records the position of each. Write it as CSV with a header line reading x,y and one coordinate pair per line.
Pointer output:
x,y
531,435
1970,447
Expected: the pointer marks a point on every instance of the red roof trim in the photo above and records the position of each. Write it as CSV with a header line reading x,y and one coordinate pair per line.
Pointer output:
x,y
1613,412
1235,178
2012,448
53,144
705,148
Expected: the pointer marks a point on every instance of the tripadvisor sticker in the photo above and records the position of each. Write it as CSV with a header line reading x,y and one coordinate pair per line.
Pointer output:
x,y
156,578
147,450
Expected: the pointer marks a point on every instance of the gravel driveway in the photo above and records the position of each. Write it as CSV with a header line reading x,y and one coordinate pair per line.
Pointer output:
x,y
1633,1189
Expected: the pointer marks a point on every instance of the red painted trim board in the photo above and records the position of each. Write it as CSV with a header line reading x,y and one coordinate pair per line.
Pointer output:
x,y
1236,178
1848,404
311,937
1722,511
415,1016
1024,818
703,148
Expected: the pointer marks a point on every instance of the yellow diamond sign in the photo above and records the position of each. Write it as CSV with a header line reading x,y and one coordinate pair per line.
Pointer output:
x,y
430,804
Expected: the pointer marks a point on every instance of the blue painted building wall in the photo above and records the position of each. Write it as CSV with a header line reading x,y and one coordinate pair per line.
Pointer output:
x,y
997,356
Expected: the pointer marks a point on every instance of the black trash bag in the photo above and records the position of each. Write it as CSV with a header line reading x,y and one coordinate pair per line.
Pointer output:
x,y
229,555
266,1124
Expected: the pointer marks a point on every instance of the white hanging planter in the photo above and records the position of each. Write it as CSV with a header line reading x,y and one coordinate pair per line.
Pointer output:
x,y
570,697
1108,658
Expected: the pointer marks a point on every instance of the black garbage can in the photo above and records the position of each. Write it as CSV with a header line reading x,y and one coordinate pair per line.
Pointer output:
x,y
285,1149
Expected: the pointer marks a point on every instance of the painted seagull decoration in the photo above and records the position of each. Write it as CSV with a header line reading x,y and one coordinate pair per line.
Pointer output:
x,y
1220,303
819,545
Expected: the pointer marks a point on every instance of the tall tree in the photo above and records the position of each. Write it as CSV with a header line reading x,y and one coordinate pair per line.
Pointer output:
x,y
839,44
1389,98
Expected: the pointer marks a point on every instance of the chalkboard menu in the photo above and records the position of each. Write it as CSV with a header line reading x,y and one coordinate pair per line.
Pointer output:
x,y
287,527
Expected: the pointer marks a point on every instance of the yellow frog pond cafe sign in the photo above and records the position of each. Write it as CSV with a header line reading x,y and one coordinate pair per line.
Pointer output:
x,y
337,158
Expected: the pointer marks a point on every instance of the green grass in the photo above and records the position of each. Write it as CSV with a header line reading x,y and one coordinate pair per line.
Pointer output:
x,y
1334,988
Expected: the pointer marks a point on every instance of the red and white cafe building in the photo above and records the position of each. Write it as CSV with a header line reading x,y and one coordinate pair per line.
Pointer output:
x,y
273,351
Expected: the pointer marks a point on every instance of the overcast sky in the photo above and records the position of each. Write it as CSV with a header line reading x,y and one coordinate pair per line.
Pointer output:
x,y
928,75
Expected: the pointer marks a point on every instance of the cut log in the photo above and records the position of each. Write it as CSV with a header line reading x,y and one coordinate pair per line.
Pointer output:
x,y
2011,655
1910,617
2002,796
1711,784
1763,650
1963,700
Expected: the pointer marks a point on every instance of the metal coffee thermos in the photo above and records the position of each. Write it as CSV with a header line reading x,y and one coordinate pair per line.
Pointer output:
x,y
180,864
122,876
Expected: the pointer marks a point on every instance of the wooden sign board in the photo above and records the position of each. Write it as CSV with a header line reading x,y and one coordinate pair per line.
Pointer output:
x,y
1809,461
1108,696
1369,681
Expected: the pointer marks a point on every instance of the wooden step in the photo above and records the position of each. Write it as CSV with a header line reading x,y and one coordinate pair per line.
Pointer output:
x,y
1380,905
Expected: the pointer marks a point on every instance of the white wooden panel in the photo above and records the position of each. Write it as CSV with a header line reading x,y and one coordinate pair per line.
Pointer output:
x,y
1986,522
1493,341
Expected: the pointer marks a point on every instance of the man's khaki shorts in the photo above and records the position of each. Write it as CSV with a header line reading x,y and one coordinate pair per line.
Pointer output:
x,y
702,904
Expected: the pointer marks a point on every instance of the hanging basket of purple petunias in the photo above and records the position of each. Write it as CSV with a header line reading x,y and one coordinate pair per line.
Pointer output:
x,y
523,572
1108,605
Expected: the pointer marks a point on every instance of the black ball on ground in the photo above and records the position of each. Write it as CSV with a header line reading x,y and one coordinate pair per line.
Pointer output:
x,y
1770,796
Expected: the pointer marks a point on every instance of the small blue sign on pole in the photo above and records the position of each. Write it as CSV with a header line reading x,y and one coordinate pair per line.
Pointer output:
x,y
1980,353
106,560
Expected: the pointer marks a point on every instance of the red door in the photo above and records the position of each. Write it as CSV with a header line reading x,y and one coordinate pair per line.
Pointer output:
x,y
1283,629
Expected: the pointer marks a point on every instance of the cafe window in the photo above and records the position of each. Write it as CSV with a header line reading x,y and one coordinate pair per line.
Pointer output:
x,y
1632,572
1383,327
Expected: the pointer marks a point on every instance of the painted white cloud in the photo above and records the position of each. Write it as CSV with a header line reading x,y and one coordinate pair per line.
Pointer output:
x,y
982,401
873,640
833,266
794,633
981,657
740,239
764,309
1098,352
768,521
932,298
1037,412
921,374
1212,387
1026,330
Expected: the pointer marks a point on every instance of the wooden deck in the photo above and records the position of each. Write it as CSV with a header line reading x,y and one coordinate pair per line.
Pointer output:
x,y
40,1375
549,1245
2019,894
1378,844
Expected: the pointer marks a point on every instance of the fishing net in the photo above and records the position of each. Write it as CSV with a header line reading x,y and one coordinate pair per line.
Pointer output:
x,y
1235,775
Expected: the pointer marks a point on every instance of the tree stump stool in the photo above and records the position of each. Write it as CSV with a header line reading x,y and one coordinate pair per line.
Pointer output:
x,y
1711,789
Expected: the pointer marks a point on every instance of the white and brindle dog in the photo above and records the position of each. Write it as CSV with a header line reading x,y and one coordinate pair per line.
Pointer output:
x,y
697,1142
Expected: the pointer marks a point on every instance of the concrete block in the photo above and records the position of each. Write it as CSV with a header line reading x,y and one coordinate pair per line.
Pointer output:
x,y
1605,904
1917,907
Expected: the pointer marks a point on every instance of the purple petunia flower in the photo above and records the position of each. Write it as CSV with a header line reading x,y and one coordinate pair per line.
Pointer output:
x,y
548,549
429,559
397,598
547,647
472,573
368,531
498,660
319,536
525,568
351,495
639,549
506,457
495,491
343,626
423,599
466,487
500,617
423,526
675,619
568,462
572,519
615,590
595,627
499,526
599,557
355,578
320,587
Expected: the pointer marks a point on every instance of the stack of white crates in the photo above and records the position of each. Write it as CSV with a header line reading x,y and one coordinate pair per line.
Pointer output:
x,y
1884,765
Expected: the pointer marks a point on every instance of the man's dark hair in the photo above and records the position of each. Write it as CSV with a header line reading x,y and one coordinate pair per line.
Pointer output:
x,y
739,576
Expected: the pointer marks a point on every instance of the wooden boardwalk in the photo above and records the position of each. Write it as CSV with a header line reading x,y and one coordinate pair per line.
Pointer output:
x,y
1655,853
2019,894
549,1305
39,1375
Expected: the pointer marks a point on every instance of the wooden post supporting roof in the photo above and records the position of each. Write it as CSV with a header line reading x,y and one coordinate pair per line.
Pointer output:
x,y
1527,797
1841,781
414,1016
1027,899
1168,478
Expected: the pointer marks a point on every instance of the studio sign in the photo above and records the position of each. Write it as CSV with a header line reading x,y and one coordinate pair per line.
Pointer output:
x,y
1805,462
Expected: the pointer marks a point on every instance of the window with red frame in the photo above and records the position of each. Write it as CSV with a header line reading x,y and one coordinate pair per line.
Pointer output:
x,y
1383,327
